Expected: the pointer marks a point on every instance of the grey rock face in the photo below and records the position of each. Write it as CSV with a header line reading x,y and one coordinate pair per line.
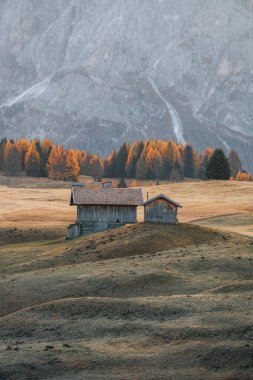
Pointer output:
x,y
92,73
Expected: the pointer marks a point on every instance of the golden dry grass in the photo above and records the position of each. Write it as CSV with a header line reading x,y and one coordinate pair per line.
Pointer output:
x,y
48,207
184,313
208,198
140,302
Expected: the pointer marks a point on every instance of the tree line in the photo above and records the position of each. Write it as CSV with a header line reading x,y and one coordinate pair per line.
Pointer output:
x,y
140,160
168,160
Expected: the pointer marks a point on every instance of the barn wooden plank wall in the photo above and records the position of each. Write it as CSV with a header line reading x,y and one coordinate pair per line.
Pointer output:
x,y
108,214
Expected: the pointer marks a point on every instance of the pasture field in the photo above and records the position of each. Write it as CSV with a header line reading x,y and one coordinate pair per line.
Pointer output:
x,y
147,301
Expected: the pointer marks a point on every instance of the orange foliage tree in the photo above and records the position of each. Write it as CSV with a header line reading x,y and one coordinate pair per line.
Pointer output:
x,y
23,149
154,163
243,176
32,161
56,166
72,166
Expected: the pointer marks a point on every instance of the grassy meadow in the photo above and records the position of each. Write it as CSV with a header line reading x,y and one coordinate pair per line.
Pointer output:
x,y
146,301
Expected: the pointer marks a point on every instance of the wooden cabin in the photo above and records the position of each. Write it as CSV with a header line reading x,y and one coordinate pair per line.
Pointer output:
x,y
161,209
103,209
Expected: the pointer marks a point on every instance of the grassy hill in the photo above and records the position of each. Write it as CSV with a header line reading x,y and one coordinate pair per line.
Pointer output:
x,y
147,301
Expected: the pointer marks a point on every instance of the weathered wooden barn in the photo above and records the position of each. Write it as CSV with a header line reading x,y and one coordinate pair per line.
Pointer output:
x,y
161,209
102,209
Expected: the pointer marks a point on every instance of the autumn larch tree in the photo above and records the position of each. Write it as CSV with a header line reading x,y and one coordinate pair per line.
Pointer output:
x,y
169,158
154,164
181,150
46,146
243,176
131,162
12,160
80,156
45,150
56,166
23,149
42,169
72,166
32,161
218,166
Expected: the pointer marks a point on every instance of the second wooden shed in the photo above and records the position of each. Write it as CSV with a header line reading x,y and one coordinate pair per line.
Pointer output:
x,y
161,209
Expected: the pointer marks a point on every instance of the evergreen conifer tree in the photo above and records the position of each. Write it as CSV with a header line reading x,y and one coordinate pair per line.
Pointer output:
x,y
110,165
122,183
121,160
3,142
12,160
189,162
177,172
85,167
133,156
23,149
218,166
141,168
96,168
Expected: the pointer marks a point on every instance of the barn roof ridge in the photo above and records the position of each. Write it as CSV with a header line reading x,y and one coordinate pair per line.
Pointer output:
x,y
104,196
164,197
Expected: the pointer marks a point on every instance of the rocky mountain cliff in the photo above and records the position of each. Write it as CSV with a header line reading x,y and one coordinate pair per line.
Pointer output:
x,y
92,73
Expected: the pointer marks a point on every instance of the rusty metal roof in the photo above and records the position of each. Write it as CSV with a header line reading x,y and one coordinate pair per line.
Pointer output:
x,y
127,197
161,196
